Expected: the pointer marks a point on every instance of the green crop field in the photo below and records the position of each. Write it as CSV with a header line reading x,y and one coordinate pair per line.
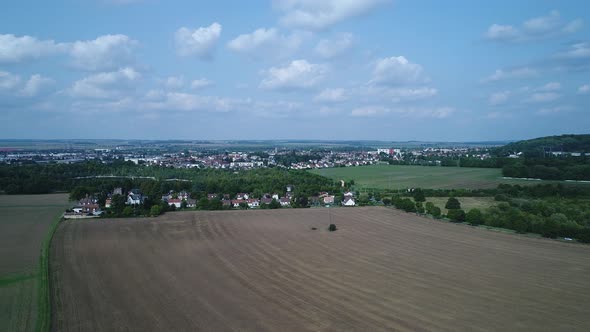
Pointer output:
x,y
24,223
400,177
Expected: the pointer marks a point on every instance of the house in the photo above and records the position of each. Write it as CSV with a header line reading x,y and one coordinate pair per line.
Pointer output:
x,y
108,203
275,196
118,191
226,202
285,201
349,193
265,200
348,201
242,196
177,202
236,202
135,197
191,203
183,195
329,199
290,188
253,203
211,196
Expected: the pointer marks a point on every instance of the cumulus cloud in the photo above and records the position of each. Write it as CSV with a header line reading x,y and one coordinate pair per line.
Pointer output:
x,y
35,85
437,112
9,81
543,97
396,71
106,52
173,82
498,98
317,15
197,42
551,86
330,48
554,110
331,96
299,74
536,28
263,41
104,85
16,49
515,73
200,83
584,89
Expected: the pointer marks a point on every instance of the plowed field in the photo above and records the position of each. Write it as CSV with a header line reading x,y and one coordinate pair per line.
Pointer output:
x,y
267,270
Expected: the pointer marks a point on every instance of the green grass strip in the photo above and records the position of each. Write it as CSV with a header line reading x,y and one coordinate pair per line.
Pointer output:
x,y
7,281
43,323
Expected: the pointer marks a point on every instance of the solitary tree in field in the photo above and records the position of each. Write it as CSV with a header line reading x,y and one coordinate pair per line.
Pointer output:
x,y
453,204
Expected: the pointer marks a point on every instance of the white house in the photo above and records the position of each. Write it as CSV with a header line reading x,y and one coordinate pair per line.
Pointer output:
x,y
348,201
285,201
253,203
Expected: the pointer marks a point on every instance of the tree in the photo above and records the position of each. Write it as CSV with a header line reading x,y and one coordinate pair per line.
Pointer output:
x,y
118,204
436,212
274,204
243,205
386,201
156,210
203,204
332,228
452,203
128,211
79,192
474,217
419,195
419,207
456,215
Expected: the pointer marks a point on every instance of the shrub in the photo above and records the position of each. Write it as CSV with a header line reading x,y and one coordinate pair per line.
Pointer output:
x,y
456,215
332,228
474,217
156,210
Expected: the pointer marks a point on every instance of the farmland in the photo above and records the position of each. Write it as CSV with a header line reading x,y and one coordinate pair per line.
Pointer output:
x,y
269,270
401,177
24,222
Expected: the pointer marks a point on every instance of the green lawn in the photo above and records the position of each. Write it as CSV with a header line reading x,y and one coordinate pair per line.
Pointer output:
x,y
24,223
400,177
467,203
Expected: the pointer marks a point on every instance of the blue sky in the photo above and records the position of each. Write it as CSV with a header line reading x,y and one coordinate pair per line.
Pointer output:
x,y
301,69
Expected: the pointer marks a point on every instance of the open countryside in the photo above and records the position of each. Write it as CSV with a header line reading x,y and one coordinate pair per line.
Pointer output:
x,y
24,223
269,270
384,176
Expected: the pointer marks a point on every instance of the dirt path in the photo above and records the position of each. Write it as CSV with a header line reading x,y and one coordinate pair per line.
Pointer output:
x,y
267,270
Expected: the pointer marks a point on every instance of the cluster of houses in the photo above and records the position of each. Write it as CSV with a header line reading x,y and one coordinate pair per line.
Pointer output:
x,y
89,206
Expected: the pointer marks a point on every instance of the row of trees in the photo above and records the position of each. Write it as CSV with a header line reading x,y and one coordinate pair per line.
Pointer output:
x,y
550,210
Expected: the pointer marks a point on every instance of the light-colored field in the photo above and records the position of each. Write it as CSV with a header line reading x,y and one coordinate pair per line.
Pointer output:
x,y
467,203
267,270
24,222
399,177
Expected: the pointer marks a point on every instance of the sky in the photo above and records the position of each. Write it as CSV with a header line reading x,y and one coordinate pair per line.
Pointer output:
x,y
294,69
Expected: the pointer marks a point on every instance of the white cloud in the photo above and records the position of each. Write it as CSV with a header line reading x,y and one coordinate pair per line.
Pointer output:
x,y
299,74
106,52
536,28
584,89
554,110
576,51
397,70
516,73
180,101
543,97
200,83
331,96
199,42
397,94
174,82
9,81
316,15
17,49
437,112
551,86
104,85
498,98
263,41
35,85
330,48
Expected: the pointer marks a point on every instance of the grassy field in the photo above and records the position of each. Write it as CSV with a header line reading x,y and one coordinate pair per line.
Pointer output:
x,y
401,177
24,222
268,270
467,203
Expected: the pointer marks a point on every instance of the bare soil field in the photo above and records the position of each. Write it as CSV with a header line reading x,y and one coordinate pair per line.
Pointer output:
x,y
268,270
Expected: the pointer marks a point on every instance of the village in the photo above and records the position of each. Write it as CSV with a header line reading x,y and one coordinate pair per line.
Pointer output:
x,y
91,206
